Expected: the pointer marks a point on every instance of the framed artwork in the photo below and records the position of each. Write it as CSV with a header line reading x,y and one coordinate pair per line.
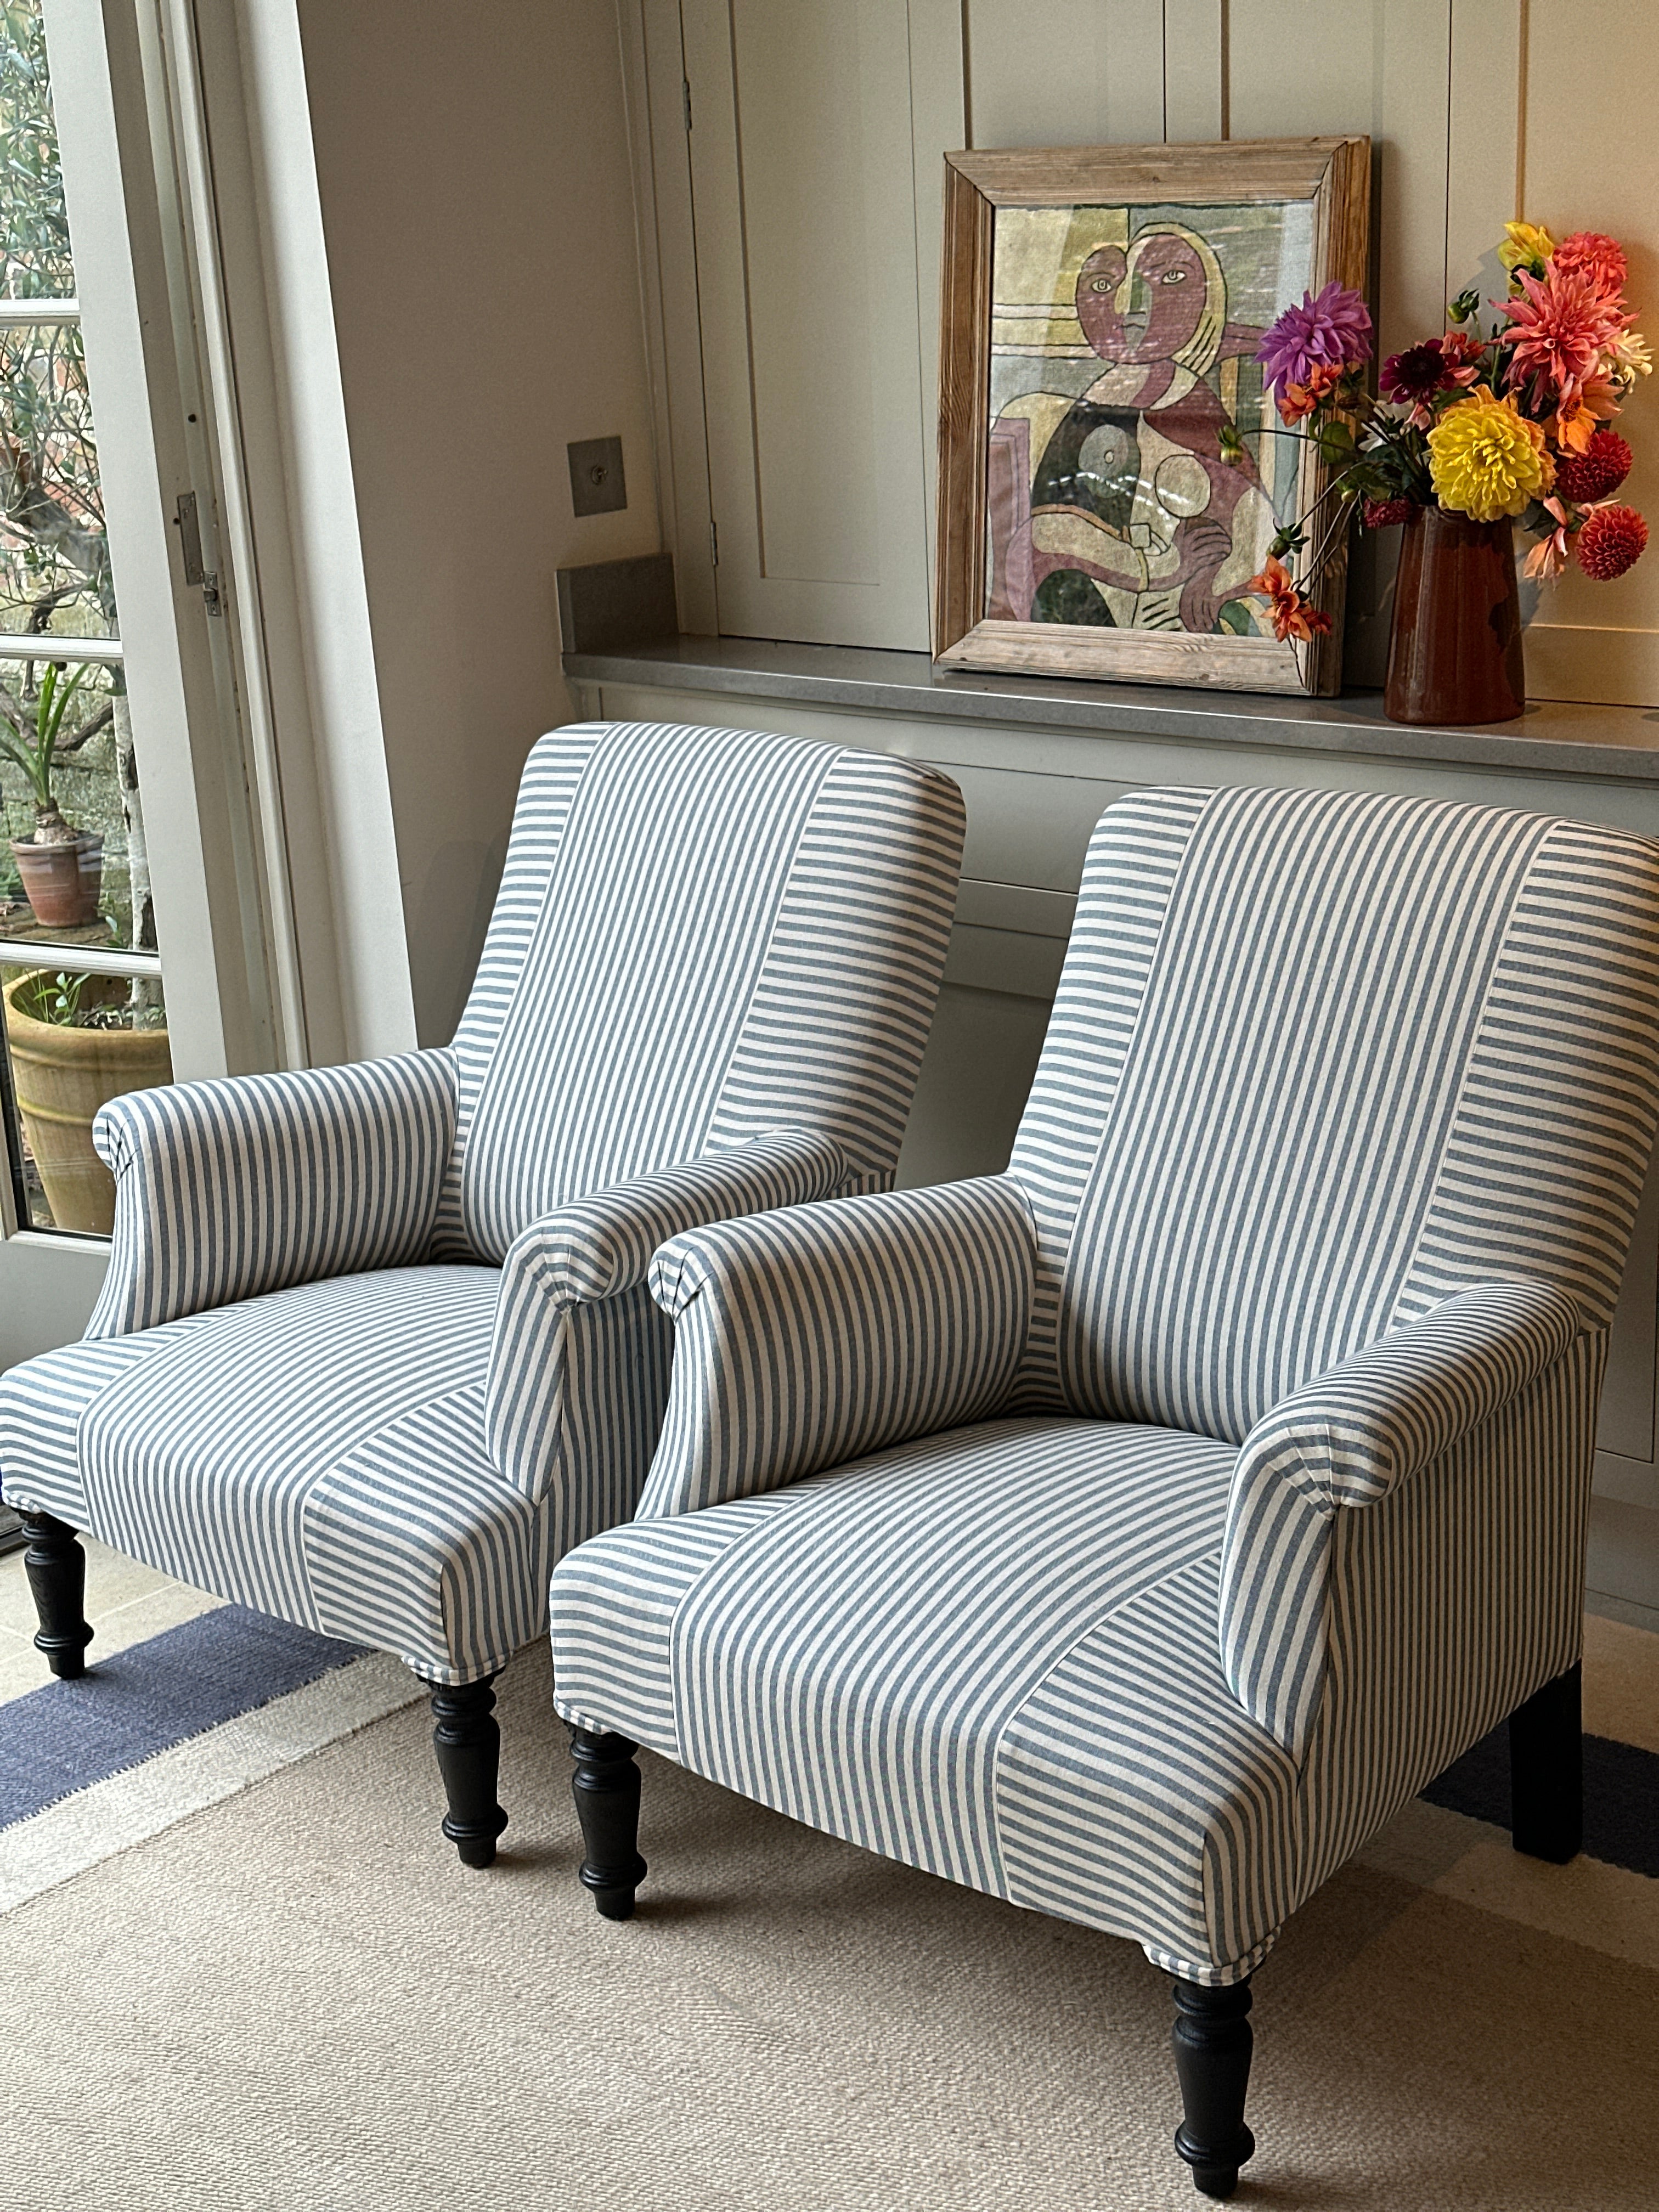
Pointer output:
x,y
1111,472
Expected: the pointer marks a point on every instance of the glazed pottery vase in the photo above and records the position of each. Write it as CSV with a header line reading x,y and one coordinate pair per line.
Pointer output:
x,y
1455,654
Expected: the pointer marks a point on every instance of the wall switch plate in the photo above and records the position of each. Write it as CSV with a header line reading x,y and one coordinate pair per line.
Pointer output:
x,y
596,484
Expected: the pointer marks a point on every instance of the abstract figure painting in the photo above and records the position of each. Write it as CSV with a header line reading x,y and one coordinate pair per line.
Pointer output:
x,y
1113,474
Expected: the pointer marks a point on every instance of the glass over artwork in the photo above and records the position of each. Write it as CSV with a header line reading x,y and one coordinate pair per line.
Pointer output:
x,y
1122,348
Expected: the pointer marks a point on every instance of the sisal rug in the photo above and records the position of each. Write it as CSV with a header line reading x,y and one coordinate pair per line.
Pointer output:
x,y
297,1999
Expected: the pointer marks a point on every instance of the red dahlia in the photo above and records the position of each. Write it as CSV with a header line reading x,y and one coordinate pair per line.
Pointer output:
x,y
1380,513
1597,471
1417,373
1610,542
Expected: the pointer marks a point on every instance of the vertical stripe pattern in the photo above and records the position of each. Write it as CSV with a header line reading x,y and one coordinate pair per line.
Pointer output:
x,y
704,937
1276,1401
1349,1439
541,1433
807,1337
706,989
227,1190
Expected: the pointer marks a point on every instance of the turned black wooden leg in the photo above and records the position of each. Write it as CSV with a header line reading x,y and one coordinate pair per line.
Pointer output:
x,y
606,1784
57,1569
1212,2042
469,1746
1546,1770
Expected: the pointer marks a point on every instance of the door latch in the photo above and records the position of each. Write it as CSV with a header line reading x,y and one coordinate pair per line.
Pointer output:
x,y
188,525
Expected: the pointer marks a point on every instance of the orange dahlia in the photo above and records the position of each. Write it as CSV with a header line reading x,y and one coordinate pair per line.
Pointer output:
x,y
1292,615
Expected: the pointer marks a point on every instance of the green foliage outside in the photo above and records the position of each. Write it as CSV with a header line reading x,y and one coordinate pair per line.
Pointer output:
x,y
54,554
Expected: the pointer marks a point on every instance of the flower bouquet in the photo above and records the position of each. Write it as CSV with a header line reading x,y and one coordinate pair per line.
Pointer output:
x,y
1471,432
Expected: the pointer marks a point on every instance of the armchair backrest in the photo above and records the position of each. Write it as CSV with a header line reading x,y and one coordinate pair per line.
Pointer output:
x,y
1318,1059
701,935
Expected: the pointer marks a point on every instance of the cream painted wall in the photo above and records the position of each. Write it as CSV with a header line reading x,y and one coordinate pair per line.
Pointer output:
x,y
473,170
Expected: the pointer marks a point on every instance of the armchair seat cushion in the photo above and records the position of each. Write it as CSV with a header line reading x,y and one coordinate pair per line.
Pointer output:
x,y
318,1454
991,1654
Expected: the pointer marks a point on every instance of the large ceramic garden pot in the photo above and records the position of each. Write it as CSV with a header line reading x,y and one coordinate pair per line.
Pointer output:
x,y
1455,653
61,882
63,1076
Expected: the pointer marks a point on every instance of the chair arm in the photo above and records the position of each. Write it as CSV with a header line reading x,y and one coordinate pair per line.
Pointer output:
x,y
235,1186
805,1339
1350,1439
593,1250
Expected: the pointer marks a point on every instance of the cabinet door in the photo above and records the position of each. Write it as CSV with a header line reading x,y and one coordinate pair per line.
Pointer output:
x,y
818,400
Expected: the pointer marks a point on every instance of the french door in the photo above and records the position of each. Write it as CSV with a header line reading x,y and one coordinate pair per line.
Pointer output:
x,y
135,884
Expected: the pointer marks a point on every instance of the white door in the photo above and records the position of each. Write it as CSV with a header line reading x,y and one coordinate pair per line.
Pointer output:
x,y
131,943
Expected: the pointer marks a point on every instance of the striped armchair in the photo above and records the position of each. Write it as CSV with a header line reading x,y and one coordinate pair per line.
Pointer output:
x,y
375,1345
1130,1534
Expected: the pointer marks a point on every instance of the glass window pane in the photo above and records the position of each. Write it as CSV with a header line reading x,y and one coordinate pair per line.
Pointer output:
x,y
34,250
74,1041
73,866
54,556
67,767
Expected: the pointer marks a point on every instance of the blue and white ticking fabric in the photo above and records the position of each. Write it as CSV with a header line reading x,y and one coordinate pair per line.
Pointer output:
x,y
375,1344
1226,1463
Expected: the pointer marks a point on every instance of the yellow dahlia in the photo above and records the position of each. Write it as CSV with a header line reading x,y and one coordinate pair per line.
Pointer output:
x,y
1486,459
1526,245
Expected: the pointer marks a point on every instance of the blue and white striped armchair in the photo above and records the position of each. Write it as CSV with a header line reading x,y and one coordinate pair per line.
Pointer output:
x,y
375,1345
1130,1534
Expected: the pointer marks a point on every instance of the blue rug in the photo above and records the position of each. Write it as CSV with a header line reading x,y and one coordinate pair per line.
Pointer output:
x,y
64,1736
1621,1796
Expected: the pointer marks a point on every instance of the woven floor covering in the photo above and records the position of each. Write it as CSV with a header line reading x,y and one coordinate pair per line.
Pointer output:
x,y
295,1998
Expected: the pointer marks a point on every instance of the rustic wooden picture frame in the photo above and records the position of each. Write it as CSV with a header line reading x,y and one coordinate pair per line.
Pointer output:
x,y
1334,173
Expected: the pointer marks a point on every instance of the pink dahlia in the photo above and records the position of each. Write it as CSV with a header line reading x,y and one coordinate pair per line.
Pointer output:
x,y
1331,331
1559,330
1597,257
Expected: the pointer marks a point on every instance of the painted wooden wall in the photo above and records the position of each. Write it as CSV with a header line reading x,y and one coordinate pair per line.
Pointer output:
x,y
792,239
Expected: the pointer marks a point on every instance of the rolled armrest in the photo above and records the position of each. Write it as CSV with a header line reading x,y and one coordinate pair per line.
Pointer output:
x,y
595,1249
227,1188
1350,1439
805,1339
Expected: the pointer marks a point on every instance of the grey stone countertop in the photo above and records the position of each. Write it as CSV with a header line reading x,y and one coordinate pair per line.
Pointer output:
x,y
1550,738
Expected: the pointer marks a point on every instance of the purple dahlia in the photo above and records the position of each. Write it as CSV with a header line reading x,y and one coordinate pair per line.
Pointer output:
x,y
1333,330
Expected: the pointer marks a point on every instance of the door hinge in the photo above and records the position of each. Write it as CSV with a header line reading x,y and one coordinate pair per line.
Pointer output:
x,y
685,88
714,545
187,522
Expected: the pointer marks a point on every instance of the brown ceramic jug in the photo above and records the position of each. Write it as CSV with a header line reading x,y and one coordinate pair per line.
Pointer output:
x,y
1456,654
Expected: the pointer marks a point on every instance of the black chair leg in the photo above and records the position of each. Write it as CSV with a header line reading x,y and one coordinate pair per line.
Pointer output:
x,y
57,1569
1546,1770
1212,2042
468,1743
606,1787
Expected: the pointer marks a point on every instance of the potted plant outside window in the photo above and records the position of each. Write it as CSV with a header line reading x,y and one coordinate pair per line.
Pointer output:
x,y
77,1041
61,866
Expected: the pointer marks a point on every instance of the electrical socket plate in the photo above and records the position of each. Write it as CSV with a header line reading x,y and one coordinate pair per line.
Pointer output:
x,y
596,484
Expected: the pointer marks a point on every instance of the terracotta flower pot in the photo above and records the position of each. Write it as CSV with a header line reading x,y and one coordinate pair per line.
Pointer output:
x,y
63,1076
1456,654
61,882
